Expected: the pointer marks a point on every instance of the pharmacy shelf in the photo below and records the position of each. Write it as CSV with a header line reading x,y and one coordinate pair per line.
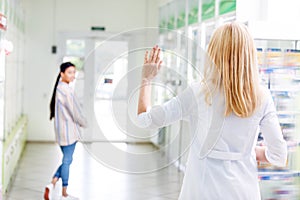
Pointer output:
x,y
288,113
269,70
271,174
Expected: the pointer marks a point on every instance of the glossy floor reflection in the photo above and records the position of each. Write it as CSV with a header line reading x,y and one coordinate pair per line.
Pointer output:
x,y
89,179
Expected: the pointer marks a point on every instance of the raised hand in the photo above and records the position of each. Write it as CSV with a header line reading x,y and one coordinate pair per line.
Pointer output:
x,y
152,64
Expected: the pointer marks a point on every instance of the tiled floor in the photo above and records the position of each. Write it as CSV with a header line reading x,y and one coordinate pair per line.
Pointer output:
x,y
89,180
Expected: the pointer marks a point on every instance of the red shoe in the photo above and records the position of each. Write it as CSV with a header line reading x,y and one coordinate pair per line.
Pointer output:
x,y
48,192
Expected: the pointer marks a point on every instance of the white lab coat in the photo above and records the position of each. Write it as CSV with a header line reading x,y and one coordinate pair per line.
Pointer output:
x,y
221,162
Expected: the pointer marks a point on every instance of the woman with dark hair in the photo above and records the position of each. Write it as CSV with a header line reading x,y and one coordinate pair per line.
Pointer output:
x,y
68,119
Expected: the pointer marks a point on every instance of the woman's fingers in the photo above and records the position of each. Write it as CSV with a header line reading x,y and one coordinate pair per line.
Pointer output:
x,y
154,55
157,55
152,63
146,57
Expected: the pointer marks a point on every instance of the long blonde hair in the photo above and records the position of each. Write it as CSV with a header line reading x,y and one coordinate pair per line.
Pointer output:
x,y
233,69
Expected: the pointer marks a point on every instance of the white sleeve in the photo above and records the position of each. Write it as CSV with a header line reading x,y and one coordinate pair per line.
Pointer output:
x,y
177,108
276,151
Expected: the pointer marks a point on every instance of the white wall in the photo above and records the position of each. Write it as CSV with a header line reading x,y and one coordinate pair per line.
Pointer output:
x,y
43,23
271,19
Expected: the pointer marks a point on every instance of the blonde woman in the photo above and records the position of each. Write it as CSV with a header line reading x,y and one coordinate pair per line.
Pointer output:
x,y
222,161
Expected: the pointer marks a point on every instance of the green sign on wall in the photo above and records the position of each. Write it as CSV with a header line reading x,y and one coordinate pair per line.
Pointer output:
x,y
181,20
227,6
208,9
171,22
162,26
193,15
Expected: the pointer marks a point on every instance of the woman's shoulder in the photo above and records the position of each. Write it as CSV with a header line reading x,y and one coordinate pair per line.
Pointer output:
x,y
196,87
264,94
265,98
264,89
192,93
63,88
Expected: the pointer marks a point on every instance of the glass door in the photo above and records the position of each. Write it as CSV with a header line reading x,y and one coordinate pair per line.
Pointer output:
x,y
100,71
111,88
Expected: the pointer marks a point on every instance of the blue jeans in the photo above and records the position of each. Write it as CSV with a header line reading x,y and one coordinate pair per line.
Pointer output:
x,y
63,170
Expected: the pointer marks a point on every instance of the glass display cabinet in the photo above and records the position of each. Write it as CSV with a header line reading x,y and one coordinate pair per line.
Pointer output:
x,y
279,67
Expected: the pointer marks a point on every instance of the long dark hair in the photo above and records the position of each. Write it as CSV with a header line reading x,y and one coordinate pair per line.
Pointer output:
x,y
63,68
